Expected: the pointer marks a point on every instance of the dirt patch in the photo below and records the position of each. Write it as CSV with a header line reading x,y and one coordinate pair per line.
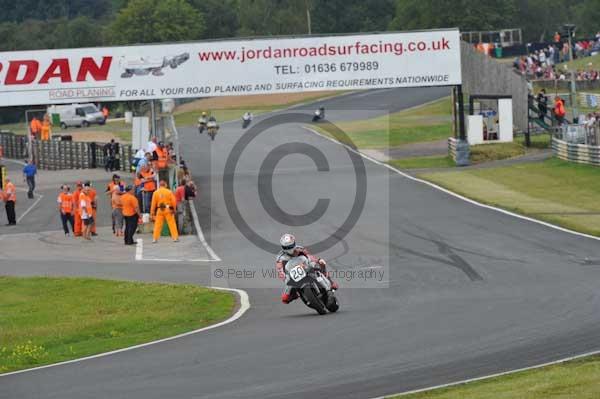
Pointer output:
x,y
92,135
252,101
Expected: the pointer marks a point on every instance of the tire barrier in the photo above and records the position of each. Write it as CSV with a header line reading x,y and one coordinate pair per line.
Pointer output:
x,y
64,154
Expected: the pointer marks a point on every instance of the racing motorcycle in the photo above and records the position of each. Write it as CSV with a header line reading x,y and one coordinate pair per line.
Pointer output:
x,y
319,114
212,128
312,285
246,120
201,124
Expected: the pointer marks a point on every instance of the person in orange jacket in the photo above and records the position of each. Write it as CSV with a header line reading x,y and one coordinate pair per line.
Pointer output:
x,y
92,194
10,199
163,208
46,129
559,110
35,126
65,207
77,229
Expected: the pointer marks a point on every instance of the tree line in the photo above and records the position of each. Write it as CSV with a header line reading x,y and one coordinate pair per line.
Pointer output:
x,y
39,24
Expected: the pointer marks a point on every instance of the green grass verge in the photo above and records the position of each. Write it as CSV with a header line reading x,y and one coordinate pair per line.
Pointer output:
x,y
49,320
479,154
582,63
559,192
576,379
441,161
428,123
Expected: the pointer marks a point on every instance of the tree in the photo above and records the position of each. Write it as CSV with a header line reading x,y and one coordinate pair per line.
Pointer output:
x,y
344,16
220,17
588,16
467,15
272,17
155,21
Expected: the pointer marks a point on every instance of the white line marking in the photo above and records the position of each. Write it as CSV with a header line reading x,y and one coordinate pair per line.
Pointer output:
x,y
139,249
30,208
433,185
210,251
244,306
487,377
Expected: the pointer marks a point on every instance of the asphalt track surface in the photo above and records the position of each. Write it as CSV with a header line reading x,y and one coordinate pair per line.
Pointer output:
x,y
468,292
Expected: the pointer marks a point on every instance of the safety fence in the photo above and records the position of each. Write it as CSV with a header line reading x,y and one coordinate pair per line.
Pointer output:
x,y
452,147
59,154
579,153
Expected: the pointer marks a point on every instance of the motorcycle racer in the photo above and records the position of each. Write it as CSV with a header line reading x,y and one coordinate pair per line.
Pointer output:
x,y
289,250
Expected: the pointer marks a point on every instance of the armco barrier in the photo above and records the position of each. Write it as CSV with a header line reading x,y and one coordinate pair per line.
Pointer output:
x,y
579,153
59,155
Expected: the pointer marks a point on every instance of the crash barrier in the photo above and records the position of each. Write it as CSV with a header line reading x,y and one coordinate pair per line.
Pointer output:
x,y
452,147
64,154
2,176
14,146
579,153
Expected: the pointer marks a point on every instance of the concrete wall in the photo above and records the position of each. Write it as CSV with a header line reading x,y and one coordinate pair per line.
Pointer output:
x,y
485,75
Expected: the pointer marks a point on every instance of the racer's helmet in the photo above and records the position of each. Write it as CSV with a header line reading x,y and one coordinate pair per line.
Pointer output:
x,y
288,243
204,113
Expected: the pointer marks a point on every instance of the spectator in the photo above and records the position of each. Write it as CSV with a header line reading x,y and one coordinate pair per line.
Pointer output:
x,y
87,219
190,190
29,172
148,187
542,101
559,110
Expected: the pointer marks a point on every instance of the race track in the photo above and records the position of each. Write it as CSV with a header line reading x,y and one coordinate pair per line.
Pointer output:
x,y
467,292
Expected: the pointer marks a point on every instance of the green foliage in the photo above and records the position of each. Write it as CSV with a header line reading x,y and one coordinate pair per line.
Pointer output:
x,y
154,21
467,15
220,17
48,320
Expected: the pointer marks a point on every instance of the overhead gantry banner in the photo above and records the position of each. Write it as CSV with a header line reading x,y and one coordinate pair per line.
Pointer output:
x,y
231,67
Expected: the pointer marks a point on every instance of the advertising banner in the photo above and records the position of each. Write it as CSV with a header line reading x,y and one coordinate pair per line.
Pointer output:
x,y
236,67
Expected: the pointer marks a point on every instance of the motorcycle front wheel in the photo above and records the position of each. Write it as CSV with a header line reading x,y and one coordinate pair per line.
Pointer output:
x,y
312,300
332,303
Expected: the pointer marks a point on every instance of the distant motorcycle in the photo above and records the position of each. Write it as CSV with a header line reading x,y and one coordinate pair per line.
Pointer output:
x,y
319,114
201,124
212,128
312,285
246,120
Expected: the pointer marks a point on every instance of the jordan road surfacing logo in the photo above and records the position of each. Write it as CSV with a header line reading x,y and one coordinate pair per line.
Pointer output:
x,y
265,181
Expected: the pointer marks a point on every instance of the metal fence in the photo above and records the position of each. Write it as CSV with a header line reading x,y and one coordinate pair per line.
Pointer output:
x,y
587,134
59,155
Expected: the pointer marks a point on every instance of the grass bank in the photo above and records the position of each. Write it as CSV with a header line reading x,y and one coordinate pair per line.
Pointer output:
x,y
49,320
428,123
479,154
576,379
555,191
